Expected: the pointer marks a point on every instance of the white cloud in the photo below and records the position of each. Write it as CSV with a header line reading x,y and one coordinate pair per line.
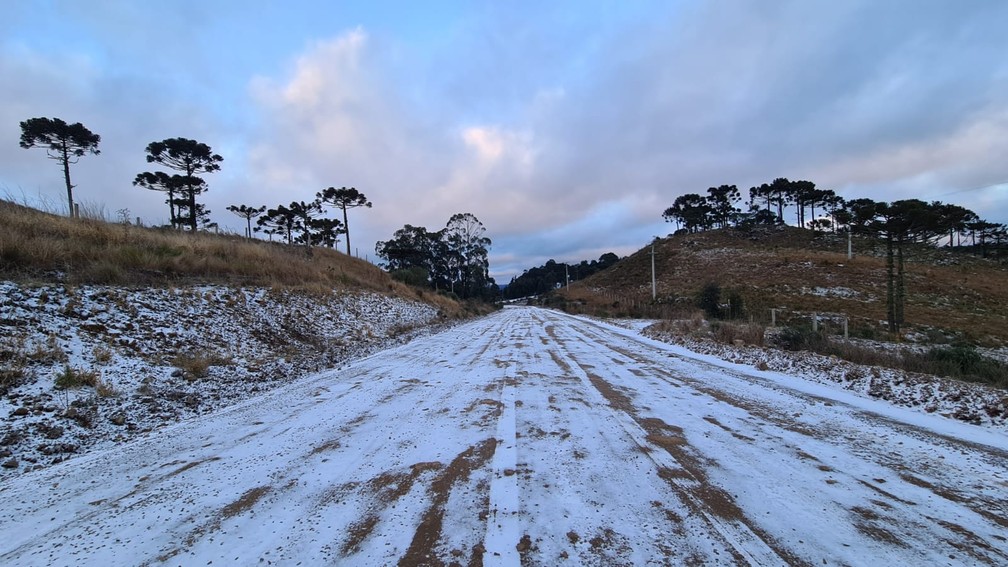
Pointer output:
x,y
564,135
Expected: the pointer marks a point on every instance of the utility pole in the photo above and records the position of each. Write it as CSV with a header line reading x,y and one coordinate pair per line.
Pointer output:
x,y
567,273
654,285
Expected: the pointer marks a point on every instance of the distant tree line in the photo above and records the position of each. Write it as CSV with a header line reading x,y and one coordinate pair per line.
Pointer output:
x,y
303,222
552,274
824,210
898,223
187,160
454,259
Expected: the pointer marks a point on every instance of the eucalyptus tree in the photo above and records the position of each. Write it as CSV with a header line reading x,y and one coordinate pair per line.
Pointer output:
x,y
65,143
468,249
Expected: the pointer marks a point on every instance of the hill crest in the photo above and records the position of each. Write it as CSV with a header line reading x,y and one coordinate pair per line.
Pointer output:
x,y
799,271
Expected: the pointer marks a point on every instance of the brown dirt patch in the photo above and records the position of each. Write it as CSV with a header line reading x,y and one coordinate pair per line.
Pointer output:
x,y
245,502
616,399
385,488
559,361
712,420
188,466
330,445
972,544
886,493
357,532
422,549
869,524
496,404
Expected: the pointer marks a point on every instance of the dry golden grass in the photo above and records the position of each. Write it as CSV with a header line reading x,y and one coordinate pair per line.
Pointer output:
x,y
781,269
36,246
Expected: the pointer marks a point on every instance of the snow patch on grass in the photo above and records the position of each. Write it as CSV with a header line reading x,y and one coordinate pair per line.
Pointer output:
x,y
969,402
86,367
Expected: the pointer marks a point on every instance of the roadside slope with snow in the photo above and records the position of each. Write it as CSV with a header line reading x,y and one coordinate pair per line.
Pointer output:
x,y
152,357
533,437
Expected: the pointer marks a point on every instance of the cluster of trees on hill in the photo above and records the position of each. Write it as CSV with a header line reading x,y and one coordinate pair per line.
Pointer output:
x,y
453,259
187,160
931,222
539,280
898,223
304,223
67,143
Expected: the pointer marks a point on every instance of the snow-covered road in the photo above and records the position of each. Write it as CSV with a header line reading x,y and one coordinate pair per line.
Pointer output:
x,y
536,438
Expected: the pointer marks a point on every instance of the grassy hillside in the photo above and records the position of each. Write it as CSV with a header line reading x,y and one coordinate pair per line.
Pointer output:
x,y
40,247
802,272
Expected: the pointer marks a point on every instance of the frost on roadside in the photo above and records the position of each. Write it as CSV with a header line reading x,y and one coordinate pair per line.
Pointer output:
x,y
85,367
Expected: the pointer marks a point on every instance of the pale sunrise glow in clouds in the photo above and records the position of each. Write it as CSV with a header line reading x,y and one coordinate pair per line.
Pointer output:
x,y
565,127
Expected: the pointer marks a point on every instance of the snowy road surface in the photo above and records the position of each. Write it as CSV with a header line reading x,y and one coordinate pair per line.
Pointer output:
x,y
534,438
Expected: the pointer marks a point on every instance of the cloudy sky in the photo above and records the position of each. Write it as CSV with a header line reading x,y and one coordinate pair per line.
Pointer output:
x,y
565,127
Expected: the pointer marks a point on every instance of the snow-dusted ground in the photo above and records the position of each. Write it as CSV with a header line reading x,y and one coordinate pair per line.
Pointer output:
x,y
145,346
974,403
536,438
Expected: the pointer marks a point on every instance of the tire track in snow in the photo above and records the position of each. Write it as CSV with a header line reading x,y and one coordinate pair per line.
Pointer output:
x,y
745,542
393,460
503,525
893,521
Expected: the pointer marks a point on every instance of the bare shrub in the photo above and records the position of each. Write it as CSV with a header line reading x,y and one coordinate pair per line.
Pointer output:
x,y
11,376
197,365
105,389
48,352
961,362
102,354
748,333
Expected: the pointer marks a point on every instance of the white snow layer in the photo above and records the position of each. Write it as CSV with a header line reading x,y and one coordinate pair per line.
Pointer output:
x,y
536,438
137,342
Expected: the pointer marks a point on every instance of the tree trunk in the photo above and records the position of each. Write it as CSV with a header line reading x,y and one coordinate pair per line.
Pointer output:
x,y
900,302
192,196
890,286
66,176
346,227
171,208
192,208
